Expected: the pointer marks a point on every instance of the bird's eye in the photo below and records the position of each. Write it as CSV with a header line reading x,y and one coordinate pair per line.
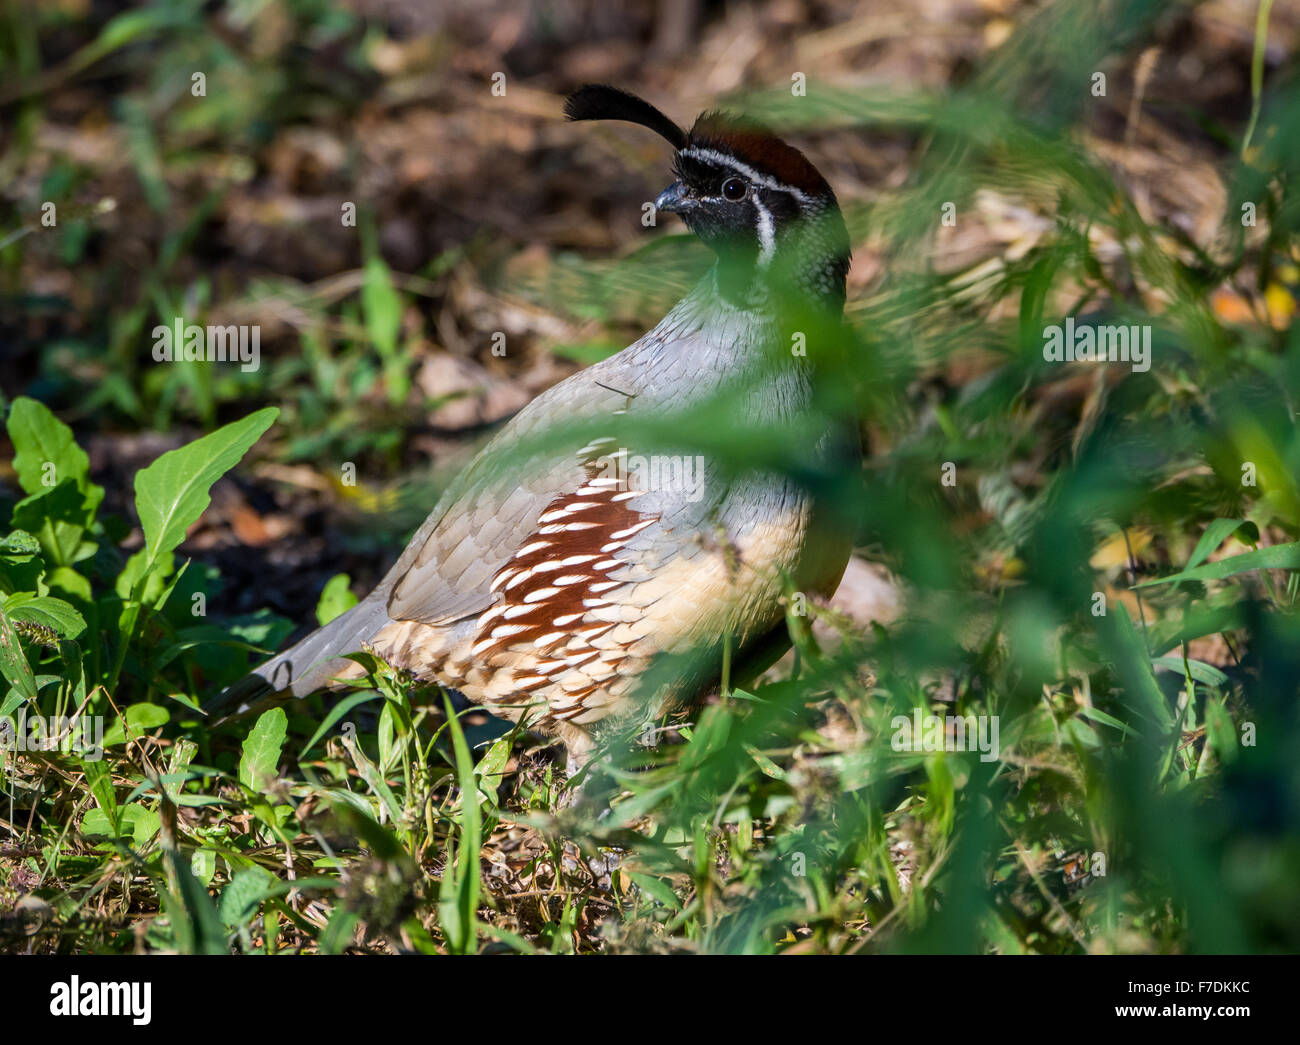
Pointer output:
x,y
734,189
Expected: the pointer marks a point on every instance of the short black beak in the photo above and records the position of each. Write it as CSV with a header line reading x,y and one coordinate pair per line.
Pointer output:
x,y
675,199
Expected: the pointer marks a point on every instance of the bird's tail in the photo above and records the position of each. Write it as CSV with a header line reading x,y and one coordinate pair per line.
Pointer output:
x,y
309,664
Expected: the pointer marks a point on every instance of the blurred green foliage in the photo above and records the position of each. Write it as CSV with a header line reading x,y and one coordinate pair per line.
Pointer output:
x,y
1143,799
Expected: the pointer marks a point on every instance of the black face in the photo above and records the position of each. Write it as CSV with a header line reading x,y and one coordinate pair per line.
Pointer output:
x,y
729,209
755,200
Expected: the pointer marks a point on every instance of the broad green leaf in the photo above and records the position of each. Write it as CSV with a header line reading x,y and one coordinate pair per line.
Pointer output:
x,y
173,492
1278,557
382,305
55,473
13,660
492,766
764,763
245,893
654,888
13,700
99,779
203,865
335,599
46,611
1215,534
141,822
338,931
20,542
68,581
386,736
96,822
57,516
1097,715
1199,670
46,453
710,736
23,570
140,718
261,750
134,573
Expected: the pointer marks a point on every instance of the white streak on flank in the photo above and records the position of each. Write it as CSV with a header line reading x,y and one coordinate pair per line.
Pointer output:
x,y
491,614
607,564
721,159
596,589
528,548
570,578
547,639
568,509
631,530
519,579
568,618
518,611
504,631
575,560
629,495
565,527
540,595
612,546
500,579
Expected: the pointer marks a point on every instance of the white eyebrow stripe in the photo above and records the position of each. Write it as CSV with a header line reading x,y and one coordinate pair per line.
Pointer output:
x,y
721,159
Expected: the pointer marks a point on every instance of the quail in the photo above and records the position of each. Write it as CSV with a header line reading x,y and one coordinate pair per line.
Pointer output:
x,y
555,577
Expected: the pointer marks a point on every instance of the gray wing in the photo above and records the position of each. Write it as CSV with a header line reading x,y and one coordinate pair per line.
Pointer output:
x,y
490,510
482,518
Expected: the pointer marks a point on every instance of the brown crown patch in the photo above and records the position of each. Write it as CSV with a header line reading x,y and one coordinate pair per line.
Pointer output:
x,y
753,144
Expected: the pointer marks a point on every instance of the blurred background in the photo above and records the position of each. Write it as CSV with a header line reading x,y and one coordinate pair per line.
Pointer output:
x,y
1001,164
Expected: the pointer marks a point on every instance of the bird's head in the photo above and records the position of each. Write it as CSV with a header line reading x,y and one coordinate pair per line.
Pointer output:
x,y
757,201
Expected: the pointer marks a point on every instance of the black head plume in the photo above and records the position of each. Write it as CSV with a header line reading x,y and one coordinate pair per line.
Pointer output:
x,y
598,101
